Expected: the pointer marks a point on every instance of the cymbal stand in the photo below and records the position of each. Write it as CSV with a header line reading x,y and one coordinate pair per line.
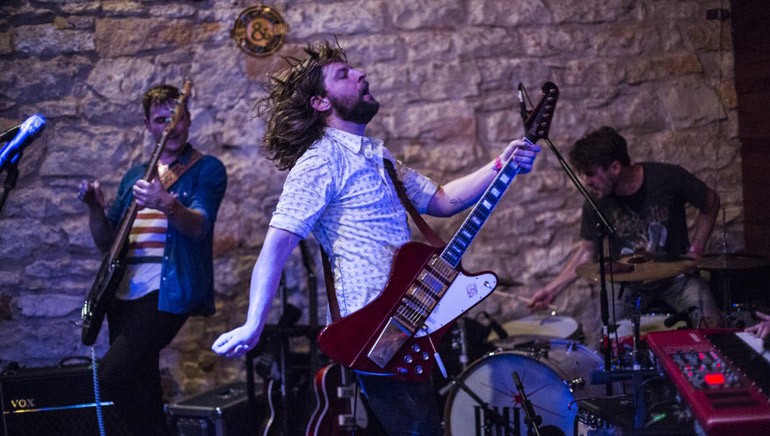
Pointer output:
x,y
463,344
637,377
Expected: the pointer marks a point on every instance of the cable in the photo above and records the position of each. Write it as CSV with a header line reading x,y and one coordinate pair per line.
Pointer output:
x,y
97,395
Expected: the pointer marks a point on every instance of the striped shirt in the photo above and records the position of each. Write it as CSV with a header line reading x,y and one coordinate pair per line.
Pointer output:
x,y
145,251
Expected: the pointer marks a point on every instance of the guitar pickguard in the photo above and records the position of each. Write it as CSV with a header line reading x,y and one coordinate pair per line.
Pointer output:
x,y
464,293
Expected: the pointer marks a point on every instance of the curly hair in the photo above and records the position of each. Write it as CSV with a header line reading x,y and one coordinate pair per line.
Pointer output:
x,y
600,147
293,125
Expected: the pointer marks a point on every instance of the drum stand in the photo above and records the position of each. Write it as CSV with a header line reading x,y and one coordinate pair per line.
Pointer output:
x,y
636,373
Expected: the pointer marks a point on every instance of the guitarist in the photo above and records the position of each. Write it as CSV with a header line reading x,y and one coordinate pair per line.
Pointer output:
x,y
338,188
170,269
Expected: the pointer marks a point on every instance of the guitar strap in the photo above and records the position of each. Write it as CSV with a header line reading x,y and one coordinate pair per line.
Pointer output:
x,y
427,232
178,168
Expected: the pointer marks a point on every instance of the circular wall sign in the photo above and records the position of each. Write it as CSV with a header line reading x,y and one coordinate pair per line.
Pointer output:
x,y
259,30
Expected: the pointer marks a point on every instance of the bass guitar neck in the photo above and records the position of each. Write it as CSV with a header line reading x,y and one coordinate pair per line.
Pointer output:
x,y
113,266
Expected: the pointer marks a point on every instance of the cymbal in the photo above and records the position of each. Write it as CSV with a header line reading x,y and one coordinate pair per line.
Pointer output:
x,y
638,269
731,261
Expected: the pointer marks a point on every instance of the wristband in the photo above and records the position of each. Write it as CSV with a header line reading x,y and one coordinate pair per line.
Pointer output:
x,y
498,164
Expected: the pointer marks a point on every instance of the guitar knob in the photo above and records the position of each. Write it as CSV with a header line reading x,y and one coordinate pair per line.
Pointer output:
x,y
416,348
402,370
418,369
425,356
408,359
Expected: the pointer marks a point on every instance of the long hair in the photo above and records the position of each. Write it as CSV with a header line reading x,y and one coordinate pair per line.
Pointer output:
x,y
293,125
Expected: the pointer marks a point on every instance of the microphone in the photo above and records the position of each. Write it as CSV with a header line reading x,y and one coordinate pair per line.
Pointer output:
x,y
497,328
28,131
681,316
522,106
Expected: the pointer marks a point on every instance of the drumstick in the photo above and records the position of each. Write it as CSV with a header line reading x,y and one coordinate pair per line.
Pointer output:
x,y
522,299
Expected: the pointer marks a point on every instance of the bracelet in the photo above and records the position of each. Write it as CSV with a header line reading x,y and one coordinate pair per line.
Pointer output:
x,y
498,164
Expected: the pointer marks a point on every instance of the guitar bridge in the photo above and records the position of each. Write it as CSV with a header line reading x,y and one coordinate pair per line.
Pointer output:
x,y
392,337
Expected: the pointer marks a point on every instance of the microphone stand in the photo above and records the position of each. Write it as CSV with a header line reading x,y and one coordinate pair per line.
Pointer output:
x,y
532,420
603,230
10,181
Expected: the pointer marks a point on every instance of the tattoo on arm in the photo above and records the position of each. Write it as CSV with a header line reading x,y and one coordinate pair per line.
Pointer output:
x,y
456,201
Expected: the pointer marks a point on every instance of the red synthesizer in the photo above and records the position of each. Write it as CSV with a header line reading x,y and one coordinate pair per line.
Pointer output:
x,y
722,375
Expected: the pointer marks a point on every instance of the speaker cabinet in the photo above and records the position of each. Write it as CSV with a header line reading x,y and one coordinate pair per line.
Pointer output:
x,y
54,400
223,411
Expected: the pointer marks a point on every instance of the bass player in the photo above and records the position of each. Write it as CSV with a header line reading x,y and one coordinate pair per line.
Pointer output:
x,y
337,188
169,273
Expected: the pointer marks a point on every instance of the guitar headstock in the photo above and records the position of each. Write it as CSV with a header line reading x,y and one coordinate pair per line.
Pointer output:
x,y
176,113
539,123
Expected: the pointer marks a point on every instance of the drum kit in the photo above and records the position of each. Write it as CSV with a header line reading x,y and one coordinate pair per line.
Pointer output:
x,y
540,371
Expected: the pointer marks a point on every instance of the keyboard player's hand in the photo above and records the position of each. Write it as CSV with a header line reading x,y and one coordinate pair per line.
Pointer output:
x,y
761,330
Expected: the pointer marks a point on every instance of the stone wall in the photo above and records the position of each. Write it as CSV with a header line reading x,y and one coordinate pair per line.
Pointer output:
x,y
446,73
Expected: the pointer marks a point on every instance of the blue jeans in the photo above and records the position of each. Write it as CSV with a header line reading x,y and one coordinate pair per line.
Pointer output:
x,y
402,408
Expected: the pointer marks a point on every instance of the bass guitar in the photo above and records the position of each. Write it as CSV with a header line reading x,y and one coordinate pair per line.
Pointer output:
x,y
397,332
113,265
339,410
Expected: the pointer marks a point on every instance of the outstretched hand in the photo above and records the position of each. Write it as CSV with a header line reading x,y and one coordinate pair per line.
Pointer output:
x,y
236,342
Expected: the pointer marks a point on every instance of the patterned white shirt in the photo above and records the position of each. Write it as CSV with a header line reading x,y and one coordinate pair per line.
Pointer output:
x,y
339,189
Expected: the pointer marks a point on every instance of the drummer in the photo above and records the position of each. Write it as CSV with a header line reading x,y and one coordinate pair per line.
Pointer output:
x,y
645,203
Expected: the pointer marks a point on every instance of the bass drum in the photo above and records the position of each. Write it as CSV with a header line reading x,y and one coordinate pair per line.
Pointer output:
x,y
553,373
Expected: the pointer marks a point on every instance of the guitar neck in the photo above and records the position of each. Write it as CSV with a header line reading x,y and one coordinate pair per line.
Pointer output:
x,y
124,228
457,246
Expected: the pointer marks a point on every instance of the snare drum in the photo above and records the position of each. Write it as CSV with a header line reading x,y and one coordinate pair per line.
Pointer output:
x,y
552,374
538,326
653,322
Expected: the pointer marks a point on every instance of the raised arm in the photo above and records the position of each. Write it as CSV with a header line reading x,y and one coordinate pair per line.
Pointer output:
x,y
461,193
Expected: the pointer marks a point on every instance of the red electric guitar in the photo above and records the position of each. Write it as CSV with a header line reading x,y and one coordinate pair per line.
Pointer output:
x,y
398,332
339,411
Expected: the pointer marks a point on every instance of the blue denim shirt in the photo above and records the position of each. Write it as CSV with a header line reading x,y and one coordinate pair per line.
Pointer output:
x,y
187,268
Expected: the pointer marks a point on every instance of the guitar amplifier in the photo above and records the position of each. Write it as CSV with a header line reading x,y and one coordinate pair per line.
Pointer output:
x,y
223,411
54,400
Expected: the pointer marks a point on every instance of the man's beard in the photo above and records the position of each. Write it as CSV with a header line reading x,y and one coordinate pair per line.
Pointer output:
x,y
359,111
